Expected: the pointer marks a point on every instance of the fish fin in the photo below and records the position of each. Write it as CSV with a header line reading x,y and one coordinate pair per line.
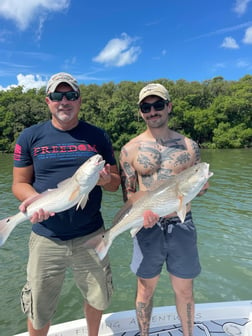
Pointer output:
x,y
100,243
182,208
134,231
82,203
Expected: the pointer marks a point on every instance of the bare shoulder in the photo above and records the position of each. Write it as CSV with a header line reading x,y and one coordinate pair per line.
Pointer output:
x,y
193,149
130,148
189,144
133,143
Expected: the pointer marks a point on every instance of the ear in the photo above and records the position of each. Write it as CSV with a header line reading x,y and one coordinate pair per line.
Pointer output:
x,y
47,100
169,107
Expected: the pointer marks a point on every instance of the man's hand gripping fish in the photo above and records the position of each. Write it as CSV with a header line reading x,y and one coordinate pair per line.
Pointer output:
x,y
170,196
72,191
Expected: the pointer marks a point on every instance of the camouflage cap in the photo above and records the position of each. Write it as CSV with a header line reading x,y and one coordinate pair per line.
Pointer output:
x,y
61,77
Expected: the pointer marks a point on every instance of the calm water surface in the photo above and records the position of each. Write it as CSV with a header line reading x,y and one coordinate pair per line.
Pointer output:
x,y
223,220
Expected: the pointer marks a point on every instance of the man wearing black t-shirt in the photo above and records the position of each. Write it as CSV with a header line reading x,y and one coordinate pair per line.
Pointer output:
x,y
46,154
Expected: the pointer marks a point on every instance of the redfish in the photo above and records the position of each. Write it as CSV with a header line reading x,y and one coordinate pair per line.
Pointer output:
x,y
72,191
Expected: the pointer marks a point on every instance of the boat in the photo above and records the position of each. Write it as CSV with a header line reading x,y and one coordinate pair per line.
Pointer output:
x,y
211,319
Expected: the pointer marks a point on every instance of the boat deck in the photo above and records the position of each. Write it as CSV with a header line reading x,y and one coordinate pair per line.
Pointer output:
x,y
211,319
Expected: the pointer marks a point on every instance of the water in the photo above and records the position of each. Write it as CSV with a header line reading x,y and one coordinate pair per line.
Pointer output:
x,y
223,220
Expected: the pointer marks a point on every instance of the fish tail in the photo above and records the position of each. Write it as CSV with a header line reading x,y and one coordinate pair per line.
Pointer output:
x,y
8,224
100,243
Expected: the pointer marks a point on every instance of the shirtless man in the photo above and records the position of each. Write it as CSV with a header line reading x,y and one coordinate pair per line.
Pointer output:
x,y
156,154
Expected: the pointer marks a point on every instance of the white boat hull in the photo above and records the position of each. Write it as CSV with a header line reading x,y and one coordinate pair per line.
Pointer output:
x,y
218,319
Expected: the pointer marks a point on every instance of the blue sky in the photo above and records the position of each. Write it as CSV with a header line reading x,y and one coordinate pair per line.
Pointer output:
x,y
133,40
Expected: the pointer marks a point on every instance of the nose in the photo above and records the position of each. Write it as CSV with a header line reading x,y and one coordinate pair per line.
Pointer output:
x,y
64,99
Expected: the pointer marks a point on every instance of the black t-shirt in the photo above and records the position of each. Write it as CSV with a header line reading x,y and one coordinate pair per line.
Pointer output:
x,y
55,156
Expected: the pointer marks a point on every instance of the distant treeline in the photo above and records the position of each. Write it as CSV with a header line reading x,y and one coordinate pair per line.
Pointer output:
x,y
216,113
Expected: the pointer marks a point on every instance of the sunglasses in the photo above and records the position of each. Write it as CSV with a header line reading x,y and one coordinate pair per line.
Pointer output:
x,y
58,96
158,106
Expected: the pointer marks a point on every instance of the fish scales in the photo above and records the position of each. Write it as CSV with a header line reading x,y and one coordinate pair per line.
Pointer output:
x,y
72,191
171,196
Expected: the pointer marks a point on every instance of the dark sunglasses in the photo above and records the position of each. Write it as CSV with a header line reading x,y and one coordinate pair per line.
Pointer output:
x,y
158,106
58,96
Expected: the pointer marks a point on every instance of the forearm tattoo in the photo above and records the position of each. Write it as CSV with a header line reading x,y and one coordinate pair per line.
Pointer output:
x,y
128,176
197,151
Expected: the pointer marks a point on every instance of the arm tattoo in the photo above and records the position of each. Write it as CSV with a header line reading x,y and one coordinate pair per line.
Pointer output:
x,y
128,176
197,152
127,169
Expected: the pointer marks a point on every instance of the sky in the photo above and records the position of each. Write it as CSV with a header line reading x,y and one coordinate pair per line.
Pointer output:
x,y
113,41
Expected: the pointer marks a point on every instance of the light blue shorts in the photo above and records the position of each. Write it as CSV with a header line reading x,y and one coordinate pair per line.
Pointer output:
x,y
170,242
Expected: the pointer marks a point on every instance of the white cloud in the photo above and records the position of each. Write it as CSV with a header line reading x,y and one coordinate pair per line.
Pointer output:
x,y
69,62
119,52
219,65
242,64
248,36
30,81
230,43
222,31
7,88
23,12
241,6
27,82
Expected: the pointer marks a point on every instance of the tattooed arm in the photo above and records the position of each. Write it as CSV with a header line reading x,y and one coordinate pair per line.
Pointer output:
x,y
127,173
196,152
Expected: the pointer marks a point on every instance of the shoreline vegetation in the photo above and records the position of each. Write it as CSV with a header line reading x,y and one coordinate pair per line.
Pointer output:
x,y
216,113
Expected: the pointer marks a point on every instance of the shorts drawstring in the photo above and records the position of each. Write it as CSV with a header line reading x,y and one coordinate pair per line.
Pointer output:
x,y
165,224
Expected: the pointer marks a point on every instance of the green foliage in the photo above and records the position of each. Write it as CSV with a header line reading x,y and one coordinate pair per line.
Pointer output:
x,y
216,113
226,136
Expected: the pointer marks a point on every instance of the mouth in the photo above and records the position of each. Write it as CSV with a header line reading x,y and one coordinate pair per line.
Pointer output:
x,y
155,116
66,109
99,160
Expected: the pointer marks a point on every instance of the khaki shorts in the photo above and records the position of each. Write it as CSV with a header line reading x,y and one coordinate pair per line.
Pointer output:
x,y
48,261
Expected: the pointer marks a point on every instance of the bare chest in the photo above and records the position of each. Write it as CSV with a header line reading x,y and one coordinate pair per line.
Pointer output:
x,y
156,162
